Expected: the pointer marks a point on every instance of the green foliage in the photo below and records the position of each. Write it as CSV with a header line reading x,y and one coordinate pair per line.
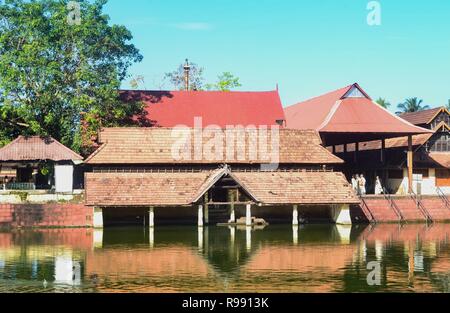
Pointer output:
x,y
383,103
412,105
52,73
225,82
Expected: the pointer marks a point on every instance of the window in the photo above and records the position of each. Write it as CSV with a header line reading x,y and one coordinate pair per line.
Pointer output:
x,y
442,177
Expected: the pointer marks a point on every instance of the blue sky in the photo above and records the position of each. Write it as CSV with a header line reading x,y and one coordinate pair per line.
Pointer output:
x,y
307,47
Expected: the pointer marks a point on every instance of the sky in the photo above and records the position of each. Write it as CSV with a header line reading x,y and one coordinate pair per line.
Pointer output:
x,y
306,47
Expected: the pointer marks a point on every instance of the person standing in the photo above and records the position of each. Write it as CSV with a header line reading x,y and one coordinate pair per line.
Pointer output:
x,y
354,183
378,186
362,184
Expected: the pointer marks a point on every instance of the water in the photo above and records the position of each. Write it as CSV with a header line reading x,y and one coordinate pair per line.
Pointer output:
x,y
312,258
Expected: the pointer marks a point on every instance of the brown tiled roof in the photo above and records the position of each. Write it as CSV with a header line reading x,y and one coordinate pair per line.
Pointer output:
x,y
298,187
185,188
37,148
418,140
442,158
421,117
143,189
154,146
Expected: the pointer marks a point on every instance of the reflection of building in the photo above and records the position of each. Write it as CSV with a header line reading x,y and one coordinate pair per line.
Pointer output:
x,y
37,163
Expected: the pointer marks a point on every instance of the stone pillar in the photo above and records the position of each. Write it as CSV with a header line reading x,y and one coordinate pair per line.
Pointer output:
x,y
232,214
200,239
98,238
206,217
151,217
341,214
295,215
248,215
344,232
248,238
200,215
98,218
295,234
152,237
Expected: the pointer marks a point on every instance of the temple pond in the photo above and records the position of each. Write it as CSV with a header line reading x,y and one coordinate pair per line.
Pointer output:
x,y
310,258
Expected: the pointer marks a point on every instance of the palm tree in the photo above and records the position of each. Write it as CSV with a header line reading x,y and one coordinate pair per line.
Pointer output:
x,y
383,103
412,105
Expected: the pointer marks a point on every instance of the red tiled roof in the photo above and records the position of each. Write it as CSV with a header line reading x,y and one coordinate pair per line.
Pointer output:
x,y
332,113
422,117
173,108
37,148
154,146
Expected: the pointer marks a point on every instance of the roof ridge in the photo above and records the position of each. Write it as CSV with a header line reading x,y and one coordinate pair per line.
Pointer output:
x,y
346,88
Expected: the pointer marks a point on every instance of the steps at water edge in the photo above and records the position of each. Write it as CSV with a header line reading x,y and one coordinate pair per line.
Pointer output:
x,y
410,212
381,210
437,209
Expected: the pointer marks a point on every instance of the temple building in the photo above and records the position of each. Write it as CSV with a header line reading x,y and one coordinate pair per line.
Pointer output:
x,y
346,120
37,163
431,156
140,172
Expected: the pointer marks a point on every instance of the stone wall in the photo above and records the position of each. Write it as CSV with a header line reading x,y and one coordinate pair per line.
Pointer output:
x,y
45,215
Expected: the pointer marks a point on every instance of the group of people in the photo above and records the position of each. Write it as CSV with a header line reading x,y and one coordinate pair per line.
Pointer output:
x,y
359,184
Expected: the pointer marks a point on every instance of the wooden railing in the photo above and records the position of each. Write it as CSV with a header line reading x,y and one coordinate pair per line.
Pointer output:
x,y
443,197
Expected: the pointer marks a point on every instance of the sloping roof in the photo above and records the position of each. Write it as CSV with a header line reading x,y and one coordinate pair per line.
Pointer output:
x,y
298,187
155,145
441,158
173,108
37,148
185,188
422,117
143,189
339,112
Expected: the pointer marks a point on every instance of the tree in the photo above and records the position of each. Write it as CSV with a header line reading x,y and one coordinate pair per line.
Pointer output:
x,y
412,105
383,103
56,69
448,104
196,79
225,82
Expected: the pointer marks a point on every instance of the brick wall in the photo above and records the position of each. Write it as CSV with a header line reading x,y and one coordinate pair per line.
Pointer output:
x,y
46,215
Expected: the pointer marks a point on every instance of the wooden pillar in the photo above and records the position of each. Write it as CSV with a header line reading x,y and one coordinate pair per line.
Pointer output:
x,y
295,215
151,217
334,149
248,215
200,215
383,148
410,164
355,155
206,217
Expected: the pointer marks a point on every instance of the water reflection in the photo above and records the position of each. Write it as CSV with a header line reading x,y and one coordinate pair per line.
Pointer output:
x,y
312,258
